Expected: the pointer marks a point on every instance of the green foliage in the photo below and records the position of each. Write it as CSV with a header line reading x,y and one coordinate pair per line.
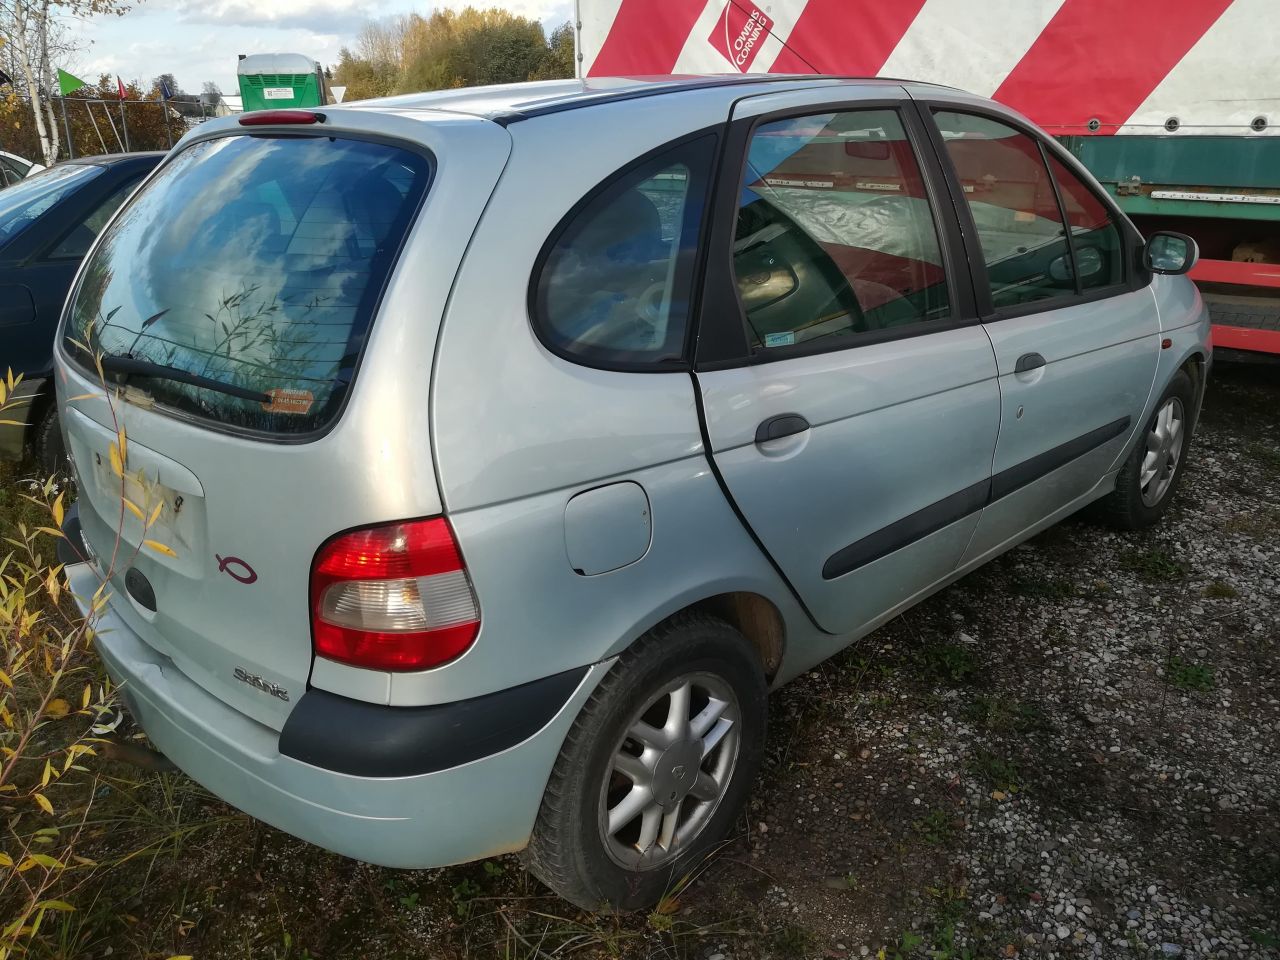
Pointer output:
x,y
462,894
1000,772
1220,590
452,48
791,941
950,663
1004,715
935,828
1154,564
1042,588
1189,676
1266,454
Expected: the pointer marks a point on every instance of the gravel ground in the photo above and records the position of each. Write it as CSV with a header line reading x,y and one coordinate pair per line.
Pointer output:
x,y
1071,753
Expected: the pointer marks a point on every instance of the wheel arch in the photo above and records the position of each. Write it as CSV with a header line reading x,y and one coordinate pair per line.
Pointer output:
x,y
754,616
1196,367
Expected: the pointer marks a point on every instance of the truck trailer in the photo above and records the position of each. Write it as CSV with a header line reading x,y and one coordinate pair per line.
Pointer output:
x,y
1174,105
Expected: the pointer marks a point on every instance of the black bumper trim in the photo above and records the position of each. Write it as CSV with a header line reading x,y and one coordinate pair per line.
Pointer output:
x,y
375,740
71,548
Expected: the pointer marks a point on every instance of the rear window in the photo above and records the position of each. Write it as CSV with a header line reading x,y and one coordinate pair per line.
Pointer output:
x,y
21,205
256,262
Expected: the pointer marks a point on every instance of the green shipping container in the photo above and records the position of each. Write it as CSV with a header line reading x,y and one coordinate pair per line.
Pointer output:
x,y
272,81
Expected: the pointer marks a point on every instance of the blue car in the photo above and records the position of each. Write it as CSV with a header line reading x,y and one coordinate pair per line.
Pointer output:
x,y
48,221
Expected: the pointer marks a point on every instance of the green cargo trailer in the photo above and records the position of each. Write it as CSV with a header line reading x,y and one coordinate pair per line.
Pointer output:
x,y
273,81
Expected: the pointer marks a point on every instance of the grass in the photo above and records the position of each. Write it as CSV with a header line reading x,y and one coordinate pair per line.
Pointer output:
x,y
1221,590
1192,677
1153,564
1043,588
999,772
1263,523
1266,454
792,941
953,664
936,828
995,714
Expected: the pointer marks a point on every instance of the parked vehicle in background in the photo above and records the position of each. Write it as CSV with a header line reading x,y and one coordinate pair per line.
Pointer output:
x,y
272,81
1177,115
14,168
481,532
47,224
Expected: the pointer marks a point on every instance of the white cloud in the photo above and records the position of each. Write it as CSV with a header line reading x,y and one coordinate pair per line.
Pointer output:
x,y
325,16
553,12
198,40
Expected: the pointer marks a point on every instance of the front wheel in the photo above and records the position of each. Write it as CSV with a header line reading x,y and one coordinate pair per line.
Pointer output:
x,y
656,768
1146,483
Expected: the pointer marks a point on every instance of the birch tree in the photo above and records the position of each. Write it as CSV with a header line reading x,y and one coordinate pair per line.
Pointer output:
x,y
33,33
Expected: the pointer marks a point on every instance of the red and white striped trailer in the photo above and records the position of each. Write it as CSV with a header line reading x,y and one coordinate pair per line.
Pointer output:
x,y
1173,104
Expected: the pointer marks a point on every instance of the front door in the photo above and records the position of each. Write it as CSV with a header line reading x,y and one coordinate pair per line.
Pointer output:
x,y
851,408
1075,334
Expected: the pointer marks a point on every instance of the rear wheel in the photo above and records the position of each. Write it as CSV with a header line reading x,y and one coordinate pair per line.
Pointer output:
x,y
656,768
1153,470
47,446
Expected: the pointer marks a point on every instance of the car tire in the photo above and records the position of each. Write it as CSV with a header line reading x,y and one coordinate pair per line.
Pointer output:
x,y
47,446
687,795
1153,470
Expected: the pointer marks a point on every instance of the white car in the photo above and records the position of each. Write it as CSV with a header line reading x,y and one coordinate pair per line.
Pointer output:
x,y
13,168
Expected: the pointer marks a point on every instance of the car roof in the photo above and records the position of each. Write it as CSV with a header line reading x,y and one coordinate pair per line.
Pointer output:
x,y
108,159
508,103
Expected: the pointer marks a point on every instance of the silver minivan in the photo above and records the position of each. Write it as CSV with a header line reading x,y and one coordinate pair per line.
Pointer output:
x,y
497,450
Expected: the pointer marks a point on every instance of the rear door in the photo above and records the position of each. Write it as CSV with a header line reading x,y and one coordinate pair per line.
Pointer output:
x,y
1075,332
850,402
259,262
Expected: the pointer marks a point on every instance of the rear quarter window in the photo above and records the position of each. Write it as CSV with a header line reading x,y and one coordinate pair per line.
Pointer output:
x,y
257,261
616,280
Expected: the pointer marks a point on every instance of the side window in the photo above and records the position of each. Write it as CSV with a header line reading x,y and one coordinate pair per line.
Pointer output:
x,y
835,236
616,285
76,243
1094,235
1014,207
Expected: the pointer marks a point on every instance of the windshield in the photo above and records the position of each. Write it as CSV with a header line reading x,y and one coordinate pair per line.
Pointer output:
x,y
254,261
22,203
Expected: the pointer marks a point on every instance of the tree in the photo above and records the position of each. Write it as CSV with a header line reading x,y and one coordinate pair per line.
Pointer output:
x,y
170,80
34,31
451,49
558,61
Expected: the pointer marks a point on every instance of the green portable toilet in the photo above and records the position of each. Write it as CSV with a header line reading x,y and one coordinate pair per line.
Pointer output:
x,y
270,81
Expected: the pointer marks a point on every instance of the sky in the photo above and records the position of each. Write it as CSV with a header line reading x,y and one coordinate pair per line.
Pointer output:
x,y
198,40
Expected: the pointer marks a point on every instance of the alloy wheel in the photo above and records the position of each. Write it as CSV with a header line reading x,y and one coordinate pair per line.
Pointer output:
x,y
1164,452
669,771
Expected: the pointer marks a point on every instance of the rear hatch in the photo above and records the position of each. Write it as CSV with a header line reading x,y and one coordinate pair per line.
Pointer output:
x,y
231,304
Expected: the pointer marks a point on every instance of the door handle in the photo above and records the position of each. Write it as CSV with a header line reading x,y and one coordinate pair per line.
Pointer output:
x,y
783,425
1028,362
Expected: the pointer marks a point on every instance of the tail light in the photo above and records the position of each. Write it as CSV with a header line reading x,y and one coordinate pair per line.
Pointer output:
x,y
394,597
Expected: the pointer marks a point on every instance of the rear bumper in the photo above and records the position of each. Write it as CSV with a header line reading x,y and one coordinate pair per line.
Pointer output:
x,y
478,809
13,439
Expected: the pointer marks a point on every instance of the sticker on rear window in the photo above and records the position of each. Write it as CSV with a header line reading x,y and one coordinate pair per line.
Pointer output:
x,y
289,401
779,339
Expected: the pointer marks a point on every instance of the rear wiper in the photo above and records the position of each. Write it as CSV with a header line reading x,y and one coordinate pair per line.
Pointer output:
x,y
162,371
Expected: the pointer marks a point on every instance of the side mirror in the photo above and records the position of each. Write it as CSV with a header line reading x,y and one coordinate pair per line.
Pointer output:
x,y
867,149
1170,253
